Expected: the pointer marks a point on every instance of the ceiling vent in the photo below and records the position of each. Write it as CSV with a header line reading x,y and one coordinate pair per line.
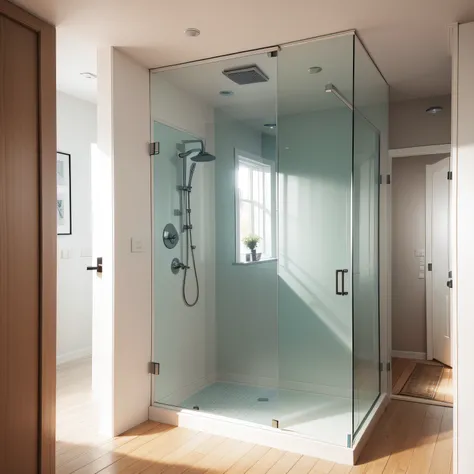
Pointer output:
x,y
246,75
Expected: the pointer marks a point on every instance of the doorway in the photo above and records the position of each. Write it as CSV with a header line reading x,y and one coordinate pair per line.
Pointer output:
x,y
421,343
77,414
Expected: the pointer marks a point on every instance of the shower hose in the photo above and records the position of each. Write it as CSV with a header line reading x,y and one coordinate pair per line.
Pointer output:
x,y
189,247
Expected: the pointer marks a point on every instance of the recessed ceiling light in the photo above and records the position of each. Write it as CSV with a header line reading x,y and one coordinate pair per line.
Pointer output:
x,y
315,69
436,109
89,75
270,125
226,93
192,32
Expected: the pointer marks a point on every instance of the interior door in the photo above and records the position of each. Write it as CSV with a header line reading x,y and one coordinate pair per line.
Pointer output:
x,y
438,293
19,249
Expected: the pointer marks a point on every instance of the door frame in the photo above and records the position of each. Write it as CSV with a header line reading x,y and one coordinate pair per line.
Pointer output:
x,y
47,244
444,149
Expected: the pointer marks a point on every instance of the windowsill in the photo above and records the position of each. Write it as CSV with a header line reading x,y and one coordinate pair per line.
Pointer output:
x,y
265,260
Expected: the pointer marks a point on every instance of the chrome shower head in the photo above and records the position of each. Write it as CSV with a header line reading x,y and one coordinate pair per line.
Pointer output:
x,y
200,154
203,157
191,174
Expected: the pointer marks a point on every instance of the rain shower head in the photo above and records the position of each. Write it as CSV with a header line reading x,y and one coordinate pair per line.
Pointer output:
x,y
201,155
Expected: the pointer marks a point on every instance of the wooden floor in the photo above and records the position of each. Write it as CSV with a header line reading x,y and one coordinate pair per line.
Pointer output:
x,y
411,438
402,368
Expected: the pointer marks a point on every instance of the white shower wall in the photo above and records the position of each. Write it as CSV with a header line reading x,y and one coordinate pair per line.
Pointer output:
x,y
188,361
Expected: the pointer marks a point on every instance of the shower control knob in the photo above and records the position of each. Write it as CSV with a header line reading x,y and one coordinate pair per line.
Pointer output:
x,y
170,236
177,265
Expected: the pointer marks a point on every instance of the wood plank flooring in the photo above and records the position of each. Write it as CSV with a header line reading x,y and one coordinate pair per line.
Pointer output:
x,y
410,438
402,368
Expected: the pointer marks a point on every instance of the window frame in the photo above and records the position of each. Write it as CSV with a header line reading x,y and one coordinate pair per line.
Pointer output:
x,y
239,156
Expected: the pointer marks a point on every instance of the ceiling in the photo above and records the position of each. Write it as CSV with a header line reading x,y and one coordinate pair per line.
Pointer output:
x,y
298,90
408,39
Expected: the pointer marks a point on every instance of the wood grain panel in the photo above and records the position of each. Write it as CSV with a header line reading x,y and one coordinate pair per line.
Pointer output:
x,y
28,246
20,223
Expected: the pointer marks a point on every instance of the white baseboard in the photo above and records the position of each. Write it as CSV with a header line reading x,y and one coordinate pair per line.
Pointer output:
x,y
252,433
409,355
74,355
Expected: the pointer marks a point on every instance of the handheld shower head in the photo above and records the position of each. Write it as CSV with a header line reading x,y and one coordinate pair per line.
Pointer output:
x,y
191,174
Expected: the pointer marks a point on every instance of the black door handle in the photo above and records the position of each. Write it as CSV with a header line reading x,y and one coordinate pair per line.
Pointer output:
x,y
343,292
98,268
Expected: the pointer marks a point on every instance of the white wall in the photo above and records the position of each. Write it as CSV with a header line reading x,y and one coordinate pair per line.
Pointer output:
x,y
132,271
463,141
76,131
411,126
122,295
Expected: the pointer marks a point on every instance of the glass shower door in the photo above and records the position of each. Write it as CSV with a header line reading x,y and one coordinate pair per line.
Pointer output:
x,y
365,238
314,266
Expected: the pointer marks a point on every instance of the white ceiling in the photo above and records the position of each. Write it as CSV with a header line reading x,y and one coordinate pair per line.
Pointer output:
x,y
408,39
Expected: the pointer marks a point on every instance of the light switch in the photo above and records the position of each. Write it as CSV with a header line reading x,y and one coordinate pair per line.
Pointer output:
x,y
420,253
422,261
421,276
137,245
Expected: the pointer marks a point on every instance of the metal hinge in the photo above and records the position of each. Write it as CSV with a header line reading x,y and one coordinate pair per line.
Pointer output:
x,y
430,267
154,368
272,54
380,179
450,175
389,366
450,274
388,179
275,423
449,283
154,148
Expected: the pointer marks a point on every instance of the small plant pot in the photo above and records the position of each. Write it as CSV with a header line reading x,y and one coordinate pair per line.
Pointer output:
x,y
254,255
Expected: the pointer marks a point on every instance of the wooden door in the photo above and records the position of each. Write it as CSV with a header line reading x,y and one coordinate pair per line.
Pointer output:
x,y
27,243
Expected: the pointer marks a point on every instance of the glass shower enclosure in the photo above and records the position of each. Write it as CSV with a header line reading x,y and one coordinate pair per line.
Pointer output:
x,y
266,236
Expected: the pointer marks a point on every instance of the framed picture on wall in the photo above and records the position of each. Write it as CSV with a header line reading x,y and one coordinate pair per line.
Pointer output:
x,y
63,184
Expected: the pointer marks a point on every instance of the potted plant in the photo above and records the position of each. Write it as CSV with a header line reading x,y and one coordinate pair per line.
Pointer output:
x,y
251,242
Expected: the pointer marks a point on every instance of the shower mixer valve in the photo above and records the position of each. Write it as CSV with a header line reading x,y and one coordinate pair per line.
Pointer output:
x,y
177,265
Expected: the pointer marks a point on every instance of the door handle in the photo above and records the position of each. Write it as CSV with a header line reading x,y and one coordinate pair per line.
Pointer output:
x,y
98,268
343,291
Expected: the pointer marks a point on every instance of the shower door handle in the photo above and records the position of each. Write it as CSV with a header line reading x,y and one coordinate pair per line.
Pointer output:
x,y
343,291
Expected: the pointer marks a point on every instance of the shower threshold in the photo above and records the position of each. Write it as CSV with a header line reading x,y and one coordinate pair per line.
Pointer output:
x,y
258,423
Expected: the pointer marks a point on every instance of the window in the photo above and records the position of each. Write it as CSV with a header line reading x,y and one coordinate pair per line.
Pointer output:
x,y
254,204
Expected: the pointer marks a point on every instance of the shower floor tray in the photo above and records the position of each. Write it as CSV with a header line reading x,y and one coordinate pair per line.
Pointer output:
x,y
324,417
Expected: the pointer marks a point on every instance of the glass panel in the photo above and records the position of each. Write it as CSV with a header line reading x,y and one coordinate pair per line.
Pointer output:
x,y
365,227
179,340
219,356
315,167
370,136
